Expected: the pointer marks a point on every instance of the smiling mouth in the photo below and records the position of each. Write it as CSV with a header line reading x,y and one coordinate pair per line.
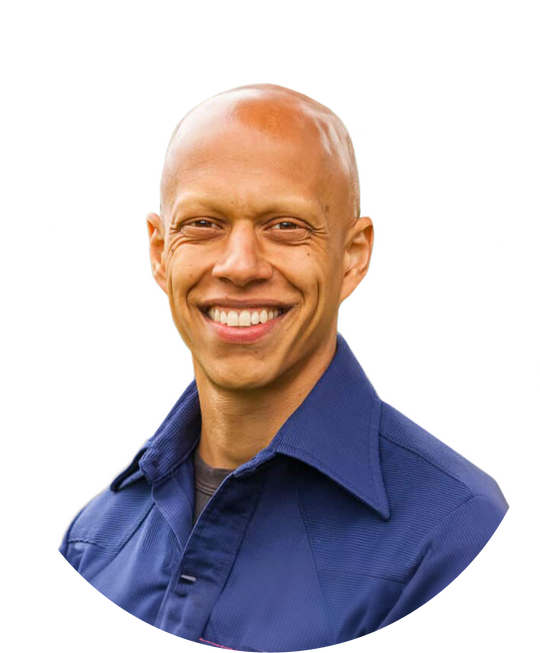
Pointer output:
x,y
245,317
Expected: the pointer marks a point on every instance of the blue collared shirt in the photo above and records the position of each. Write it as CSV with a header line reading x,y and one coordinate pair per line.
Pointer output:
x,y
351,518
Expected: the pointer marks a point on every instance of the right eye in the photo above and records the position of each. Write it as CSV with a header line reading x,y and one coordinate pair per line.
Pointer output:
x,y
202,223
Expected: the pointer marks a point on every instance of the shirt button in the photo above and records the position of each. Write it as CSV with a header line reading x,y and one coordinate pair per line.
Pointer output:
x,y
188,579
184,581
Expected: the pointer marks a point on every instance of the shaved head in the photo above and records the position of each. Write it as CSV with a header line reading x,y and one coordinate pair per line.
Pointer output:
x,y
278,114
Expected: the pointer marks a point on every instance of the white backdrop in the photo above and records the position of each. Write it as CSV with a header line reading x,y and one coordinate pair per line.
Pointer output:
x,y
442,325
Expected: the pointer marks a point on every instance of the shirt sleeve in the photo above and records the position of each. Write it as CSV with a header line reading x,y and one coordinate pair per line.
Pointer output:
x,y
454,544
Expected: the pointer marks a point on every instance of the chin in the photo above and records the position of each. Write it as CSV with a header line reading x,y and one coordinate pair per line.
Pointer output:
x,y
233,379
245,383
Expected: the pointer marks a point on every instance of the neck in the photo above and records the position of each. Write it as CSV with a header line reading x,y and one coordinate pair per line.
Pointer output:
x,y
237,424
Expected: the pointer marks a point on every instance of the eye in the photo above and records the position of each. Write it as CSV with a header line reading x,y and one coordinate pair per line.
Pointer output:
x,y
288,231
202,223
199,228
285,224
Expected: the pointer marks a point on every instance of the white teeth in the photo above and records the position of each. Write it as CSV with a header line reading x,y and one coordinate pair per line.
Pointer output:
x,y
244,318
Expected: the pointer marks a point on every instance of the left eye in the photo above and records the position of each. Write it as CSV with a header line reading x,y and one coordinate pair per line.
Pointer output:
x,y
293,224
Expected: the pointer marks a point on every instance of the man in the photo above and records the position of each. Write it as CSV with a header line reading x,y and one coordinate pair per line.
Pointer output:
x,y
281,505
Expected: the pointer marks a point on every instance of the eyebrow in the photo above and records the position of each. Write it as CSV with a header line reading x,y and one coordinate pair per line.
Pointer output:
x,y
284,204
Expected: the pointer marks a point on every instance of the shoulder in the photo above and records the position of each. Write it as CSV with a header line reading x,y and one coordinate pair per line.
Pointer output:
x,y
423,452
107,521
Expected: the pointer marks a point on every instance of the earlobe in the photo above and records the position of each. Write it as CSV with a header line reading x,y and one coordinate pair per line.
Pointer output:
x,y
157,244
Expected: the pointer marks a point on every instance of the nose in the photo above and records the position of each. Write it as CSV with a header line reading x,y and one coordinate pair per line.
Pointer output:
x,y
242,261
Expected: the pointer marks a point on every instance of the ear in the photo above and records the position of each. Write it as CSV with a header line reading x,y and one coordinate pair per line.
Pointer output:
x,y
357,255
157,244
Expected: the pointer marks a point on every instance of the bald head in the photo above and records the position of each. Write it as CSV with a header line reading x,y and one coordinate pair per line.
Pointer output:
x,y
274,113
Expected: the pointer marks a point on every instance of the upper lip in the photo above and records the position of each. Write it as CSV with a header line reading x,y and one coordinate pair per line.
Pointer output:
x,y
243,303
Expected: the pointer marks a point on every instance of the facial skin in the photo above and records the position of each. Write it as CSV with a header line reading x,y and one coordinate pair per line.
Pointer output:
x,y
260,205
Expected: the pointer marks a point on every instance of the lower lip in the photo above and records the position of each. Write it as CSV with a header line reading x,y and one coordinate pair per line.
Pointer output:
x,y
243,335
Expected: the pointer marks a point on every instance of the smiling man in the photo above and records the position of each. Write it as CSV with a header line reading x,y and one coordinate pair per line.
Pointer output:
x,y
281,505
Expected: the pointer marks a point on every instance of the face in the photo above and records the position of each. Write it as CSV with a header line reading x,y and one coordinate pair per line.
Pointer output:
x,y
256,247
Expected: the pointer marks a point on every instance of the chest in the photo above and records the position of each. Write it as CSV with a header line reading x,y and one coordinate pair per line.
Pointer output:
x,y
270,565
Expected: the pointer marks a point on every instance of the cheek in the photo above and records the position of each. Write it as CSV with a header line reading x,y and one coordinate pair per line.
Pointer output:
x,y
314,271
185,270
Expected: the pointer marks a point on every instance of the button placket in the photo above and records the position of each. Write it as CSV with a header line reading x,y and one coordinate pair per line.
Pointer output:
x,y
209,555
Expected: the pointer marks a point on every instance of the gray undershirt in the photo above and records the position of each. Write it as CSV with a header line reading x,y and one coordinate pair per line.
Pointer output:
x,y
207,480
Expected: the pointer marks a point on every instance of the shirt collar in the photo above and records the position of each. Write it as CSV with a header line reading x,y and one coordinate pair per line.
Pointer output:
x,y
335,430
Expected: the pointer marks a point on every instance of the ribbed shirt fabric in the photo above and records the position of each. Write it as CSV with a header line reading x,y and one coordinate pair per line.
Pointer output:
x,y
207,479
351,518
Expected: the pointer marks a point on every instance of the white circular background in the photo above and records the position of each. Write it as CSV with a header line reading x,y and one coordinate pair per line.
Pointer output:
x,y
91,363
